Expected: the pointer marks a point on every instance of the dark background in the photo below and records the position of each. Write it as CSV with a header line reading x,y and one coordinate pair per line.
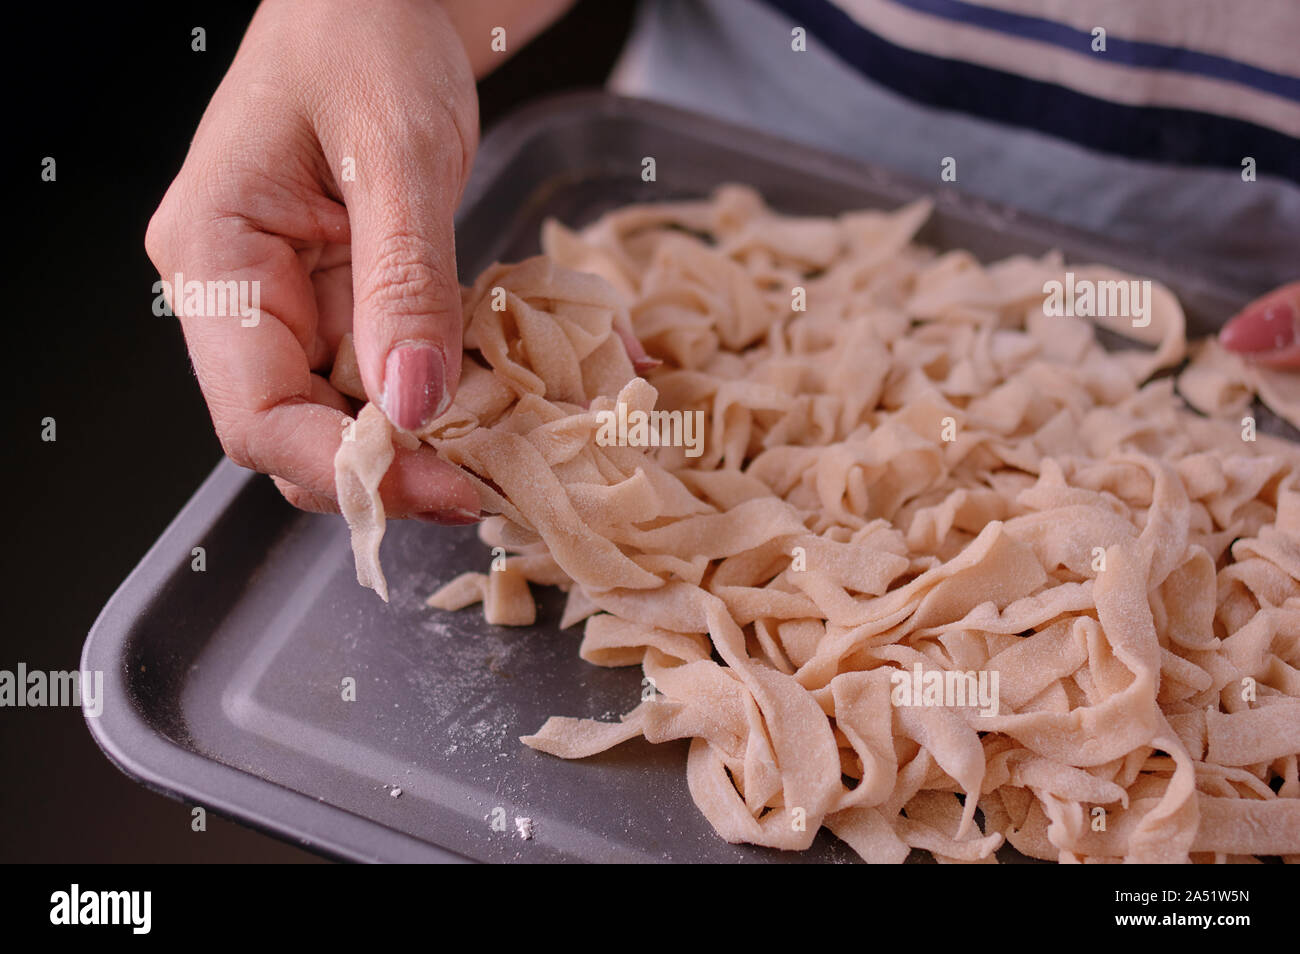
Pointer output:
x,y
114,95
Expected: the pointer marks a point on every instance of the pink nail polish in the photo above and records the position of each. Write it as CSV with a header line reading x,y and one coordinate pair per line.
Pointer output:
x,y
452,517
415,384
1256,332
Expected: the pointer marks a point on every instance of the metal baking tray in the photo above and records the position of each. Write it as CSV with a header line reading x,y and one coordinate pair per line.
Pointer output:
x,y
222,687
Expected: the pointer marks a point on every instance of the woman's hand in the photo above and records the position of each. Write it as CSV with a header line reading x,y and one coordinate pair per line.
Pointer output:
x,y
1267,331
327,169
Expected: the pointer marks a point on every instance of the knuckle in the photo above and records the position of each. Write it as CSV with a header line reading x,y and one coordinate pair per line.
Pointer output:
x,y
156,236
404,279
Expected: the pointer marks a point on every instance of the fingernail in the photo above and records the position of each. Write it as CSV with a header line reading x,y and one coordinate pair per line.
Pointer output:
x,y
415,384
1256,332
636,352
452,517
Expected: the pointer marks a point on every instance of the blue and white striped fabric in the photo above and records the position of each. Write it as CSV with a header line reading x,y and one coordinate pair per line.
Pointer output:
x,y
1143,140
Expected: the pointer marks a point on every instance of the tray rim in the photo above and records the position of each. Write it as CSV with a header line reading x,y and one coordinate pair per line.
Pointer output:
x,y
515,128
144,754
147,756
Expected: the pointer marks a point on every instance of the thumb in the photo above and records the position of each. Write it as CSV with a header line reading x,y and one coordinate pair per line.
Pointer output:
x,y
1267,331
407,318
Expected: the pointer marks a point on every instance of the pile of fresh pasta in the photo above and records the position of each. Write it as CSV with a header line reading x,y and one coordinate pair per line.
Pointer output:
x,y
909,472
